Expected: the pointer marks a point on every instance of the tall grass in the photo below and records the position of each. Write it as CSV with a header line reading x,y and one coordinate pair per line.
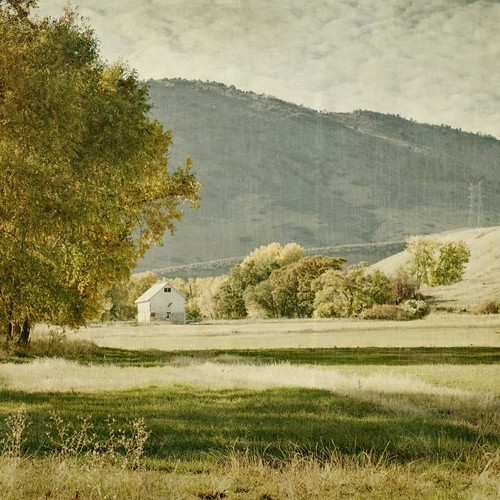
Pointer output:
x,y
248,476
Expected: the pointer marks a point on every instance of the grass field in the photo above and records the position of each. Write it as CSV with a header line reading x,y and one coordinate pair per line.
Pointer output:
x,y
281,422
437,330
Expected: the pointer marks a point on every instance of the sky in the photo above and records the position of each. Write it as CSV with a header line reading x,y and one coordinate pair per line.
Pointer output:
x,y
435,61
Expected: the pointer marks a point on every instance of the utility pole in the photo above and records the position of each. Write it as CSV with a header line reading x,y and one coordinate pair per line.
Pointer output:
x,y
475,204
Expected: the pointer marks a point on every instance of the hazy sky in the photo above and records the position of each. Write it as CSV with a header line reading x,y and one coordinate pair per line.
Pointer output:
x,y
435,61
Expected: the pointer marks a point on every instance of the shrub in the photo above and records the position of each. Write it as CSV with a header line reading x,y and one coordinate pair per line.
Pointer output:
x,y
14,438
122,446
402,288
415,309
389,312
488,307
408,310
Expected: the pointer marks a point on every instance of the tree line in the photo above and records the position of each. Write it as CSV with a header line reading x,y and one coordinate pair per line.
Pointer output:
x,y
276,281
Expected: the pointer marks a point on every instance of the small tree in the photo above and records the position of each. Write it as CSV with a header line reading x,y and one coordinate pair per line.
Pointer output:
x,y
403,288
423,254
450,264
433,262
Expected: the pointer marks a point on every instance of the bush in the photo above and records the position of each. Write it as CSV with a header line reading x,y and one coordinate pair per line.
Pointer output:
x,y
402,288
488,307
415,309
408,310
387,312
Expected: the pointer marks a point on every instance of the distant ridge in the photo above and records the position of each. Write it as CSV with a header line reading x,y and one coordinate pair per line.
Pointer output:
x,y
276,171
355,253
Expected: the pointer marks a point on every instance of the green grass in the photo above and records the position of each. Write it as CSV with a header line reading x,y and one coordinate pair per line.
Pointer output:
x,y
273,443
391,356
187,423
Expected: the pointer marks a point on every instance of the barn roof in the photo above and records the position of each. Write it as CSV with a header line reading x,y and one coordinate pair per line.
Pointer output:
x,y
149,294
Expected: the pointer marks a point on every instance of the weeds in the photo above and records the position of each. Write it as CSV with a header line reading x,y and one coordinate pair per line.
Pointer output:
x,y
123,447
13,441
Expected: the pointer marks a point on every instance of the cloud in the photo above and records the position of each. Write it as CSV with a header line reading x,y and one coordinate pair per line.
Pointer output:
x,y
432,60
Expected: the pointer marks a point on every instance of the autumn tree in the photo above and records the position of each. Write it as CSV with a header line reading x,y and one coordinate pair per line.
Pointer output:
x,y
288,292
254,269
340,294
85,186
433,262
450,264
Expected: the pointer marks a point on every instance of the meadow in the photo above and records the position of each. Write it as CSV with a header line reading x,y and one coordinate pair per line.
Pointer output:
x,y
329,409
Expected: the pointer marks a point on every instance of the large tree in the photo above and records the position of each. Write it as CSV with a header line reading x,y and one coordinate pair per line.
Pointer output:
x,y
85,186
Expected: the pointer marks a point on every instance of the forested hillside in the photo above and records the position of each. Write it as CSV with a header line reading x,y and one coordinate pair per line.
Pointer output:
x,y
275,171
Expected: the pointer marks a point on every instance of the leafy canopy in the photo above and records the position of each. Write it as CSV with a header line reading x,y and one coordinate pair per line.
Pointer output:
x,y
254,269
346,294
85,186
434,262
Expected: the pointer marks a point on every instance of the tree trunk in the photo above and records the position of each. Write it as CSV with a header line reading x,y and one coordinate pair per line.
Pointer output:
x,y
6,334
24,334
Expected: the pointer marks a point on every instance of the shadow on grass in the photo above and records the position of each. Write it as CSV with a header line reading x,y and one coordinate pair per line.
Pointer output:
x,y
324,356
187,423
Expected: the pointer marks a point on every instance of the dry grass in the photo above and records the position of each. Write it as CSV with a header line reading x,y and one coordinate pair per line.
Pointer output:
x,y
464,398
58,375
247,476
437,330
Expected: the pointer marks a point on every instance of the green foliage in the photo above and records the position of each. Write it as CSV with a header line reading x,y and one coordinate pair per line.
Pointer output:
x,y
346,294
121,296
435,263
288,292
79,128
229,300
232,299
449,267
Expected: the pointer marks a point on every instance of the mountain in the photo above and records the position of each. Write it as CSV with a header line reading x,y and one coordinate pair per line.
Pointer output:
x,y
481,280
276,171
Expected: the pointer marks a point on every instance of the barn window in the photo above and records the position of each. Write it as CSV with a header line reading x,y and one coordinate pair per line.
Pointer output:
x,y
153,315
168,315
167,289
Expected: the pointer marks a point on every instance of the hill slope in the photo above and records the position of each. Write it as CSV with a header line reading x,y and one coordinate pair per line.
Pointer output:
x,y
274,171
481,279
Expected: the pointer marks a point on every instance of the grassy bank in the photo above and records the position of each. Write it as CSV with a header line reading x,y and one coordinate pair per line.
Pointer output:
x,y
363,422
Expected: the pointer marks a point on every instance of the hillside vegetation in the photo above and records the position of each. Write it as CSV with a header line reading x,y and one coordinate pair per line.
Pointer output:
x,y
481,279
275,171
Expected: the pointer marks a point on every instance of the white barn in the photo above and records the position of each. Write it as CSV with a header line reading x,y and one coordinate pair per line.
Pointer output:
x,y
162,302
